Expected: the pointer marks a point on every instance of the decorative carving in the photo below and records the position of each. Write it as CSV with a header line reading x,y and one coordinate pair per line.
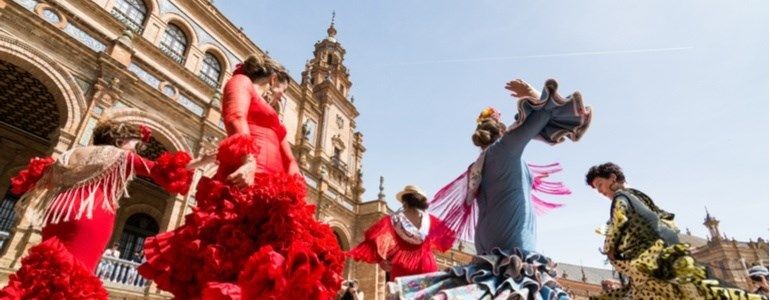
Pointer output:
x,y
381,194
340,122
148,78
85,38
190,105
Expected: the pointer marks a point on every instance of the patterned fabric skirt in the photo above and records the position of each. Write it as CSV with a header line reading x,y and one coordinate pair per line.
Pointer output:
x,y
669,272
502,274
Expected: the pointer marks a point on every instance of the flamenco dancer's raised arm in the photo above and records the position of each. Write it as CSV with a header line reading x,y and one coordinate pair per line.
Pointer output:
x,y
493,203
74,198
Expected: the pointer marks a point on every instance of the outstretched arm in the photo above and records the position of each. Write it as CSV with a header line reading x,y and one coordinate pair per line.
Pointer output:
x,y
27,178
170,171
514,141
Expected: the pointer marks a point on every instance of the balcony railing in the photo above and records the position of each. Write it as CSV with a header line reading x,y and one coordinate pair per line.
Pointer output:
x,y
211,82
133,26
170,53
339,164
121,273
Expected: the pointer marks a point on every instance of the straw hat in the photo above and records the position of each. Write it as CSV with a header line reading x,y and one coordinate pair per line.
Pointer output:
x,y
757,271
410,189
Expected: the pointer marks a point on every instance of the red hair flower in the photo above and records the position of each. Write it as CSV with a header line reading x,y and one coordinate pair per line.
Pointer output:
x,y
146,133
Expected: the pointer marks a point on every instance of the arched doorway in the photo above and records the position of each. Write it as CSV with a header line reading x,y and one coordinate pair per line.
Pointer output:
x,y
135,231
29,118
342,241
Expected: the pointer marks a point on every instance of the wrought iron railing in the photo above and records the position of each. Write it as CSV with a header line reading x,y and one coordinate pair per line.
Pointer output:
x,y
171,53
131,24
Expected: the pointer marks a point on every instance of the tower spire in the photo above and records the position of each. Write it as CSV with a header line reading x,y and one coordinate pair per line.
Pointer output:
x,y
381,194
332,31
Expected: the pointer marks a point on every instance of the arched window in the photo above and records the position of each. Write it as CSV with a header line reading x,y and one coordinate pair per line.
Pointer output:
x,y
138,227
211,70
131,12
174,43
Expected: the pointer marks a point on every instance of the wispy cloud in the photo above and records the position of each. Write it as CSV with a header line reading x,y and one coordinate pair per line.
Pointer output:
x,y
547,55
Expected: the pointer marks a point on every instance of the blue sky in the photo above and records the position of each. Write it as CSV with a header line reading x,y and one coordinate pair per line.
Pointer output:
x,y
679,91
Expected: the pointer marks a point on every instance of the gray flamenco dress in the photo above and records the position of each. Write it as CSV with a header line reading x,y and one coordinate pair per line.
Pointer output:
x,y
503,210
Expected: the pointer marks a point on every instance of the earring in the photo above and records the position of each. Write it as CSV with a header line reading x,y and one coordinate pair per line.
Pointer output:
x,y
268,94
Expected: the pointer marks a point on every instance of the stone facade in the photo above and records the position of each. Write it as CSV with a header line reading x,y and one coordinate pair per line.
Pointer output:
x,y
161,63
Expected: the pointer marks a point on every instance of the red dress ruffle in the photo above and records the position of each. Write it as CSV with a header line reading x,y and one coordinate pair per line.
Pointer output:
x,y
49,271
26,179
171,173
382,243
260,242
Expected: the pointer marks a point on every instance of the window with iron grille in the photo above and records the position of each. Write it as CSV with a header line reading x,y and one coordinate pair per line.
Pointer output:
x,y
211,70
131,12
174,43
7,214
136,230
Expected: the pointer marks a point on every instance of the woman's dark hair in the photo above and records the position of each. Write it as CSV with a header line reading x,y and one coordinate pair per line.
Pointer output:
x,y
260,67
415,200
487,132
110,133
604,171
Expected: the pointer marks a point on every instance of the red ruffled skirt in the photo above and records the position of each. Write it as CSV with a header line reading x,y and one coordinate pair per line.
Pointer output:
x,y
260,242
49,271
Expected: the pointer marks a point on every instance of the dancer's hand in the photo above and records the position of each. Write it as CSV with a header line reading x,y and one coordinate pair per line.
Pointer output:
x,y
294,169
385,265
209,157
521,89
244,175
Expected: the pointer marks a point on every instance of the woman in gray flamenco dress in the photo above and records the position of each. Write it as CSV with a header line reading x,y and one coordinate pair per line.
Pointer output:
x,y
494,204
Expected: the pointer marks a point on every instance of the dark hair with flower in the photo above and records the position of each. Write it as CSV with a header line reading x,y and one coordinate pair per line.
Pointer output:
x,y
146,133
113,132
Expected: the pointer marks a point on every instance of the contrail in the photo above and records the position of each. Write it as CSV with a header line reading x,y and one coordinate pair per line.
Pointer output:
x,y
499,58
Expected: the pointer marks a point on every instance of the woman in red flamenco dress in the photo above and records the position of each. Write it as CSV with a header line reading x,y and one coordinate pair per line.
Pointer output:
x,y
403,243
251,236
75,198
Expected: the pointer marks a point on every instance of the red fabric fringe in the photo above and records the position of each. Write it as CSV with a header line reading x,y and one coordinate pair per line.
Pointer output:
x,y
26,179
49,271
170,172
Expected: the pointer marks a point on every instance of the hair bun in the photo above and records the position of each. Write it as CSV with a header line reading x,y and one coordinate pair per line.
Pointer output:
x,y
487,132
481,137
254,64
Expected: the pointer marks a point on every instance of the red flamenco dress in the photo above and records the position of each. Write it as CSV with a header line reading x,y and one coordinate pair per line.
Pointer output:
x,y
258,242
407,248
75,199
